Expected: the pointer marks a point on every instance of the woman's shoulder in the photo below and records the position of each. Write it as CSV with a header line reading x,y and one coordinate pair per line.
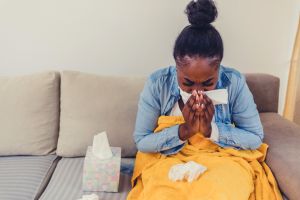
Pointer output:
x,y
162,73
234,76
231,72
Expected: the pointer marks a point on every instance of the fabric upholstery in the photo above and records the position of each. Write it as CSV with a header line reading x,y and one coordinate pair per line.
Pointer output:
x,y
91,104
66,182
29,114
265,90
283,155
21,177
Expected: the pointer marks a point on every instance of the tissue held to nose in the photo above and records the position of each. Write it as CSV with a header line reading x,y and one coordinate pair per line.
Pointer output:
x,y
218,96
189,171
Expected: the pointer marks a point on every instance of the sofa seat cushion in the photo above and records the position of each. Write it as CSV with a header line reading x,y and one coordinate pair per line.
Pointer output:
x,y
22,177
66,182
283,138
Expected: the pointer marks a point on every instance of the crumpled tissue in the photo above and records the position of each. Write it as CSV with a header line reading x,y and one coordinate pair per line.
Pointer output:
x,y
189,171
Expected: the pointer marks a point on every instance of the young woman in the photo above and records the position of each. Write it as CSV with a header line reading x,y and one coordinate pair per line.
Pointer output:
x,y
180,91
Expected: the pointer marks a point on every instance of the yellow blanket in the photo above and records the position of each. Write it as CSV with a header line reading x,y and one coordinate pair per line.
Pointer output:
x,y
231,174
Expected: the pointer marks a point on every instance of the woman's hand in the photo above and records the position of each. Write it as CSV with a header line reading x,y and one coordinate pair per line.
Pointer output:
x,y
207,113
197,113
191,113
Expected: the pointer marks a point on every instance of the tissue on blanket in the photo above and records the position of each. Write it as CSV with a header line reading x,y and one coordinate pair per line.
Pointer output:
x,y
90,197
189,171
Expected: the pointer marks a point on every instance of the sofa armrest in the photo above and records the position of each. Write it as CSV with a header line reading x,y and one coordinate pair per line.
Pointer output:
x,y
283,138
265,90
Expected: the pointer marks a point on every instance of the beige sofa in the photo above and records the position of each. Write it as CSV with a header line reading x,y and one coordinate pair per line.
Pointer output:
x,y
47,120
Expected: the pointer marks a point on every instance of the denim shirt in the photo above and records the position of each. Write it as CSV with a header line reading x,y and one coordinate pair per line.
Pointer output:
x,y
238,121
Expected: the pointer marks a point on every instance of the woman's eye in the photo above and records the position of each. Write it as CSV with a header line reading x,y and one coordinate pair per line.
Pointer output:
x,y
188,84
207,84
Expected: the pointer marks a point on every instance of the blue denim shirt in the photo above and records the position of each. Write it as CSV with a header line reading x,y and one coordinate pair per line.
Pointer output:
x,y
161,92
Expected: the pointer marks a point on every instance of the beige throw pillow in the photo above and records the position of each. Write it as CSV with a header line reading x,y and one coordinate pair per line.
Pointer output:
x,y
91,104
29,114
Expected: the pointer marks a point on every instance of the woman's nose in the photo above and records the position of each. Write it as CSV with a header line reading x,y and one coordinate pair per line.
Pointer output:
x,y
199,88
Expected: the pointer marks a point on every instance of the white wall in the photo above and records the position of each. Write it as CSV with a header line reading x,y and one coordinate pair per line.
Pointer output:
x,y
135,37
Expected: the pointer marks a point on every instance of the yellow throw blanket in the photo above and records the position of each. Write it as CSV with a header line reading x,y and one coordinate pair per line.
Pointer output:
x,y
231,174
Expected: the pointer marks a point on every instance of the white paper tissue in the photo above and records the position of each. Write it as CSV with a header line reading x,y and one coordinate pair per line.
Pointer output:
x,y
218,96
90,197
101,147
189,171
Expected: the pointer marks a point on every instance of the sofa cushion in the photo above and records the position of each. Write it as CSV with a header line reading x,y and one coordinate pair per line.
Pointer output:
x,y
66,182
265,90
29,114
91,104
283,138
21,177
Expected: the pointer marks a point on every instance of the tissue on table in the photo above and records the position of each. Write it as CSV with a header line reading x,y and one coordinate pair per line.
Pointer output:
x,y
90,197
189,171
101,170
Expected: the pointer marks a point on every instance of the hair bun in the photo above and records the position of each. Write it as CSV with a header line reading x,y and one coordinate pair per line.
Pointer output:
x,y
201,12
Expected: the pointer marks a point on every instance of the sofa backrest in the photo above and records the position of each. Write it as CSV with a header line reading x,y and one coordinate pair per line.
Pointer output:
x,y
265,90
88,104
92,104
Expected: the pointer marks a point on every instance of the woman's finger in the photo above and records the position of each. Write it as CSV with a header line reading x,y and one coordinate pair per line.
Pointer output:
x,y
209,105
202,110
207,116
192,107
196,115
192,99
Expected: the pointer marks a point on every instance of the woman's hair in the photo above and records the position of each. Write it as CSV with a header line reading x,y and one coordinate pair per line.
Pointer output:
x,y
200,38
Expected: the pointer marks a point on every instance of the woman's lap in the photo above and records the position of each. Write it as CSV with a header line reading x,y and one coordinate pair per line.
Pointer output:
x,y
225,178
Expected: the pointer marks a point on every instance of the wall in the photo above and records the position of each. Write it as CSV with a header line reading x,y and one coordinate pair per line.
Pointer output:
x,y
135,37
297,106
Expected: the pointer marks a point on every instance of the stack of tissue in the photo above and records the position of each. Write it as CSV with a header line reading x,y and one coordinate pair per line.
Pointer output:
x,y
101,170
189,171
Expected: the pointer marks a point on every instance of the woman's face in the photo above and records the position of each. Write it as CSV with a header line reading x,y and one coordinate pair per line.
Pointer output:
x,y
197,73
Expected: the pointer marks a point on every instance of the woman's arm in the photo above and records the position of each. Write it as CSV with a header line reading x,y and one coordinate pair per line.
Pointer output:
x,y
248,131
166,141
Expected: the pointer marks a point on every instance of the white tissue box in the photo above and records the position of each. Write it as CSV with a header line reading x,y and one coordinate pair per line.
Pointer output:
x,y
101,174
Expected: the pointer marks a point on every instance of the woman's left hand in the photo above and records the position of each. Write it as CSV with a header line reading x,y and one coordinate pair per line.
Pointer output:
x,y
207,113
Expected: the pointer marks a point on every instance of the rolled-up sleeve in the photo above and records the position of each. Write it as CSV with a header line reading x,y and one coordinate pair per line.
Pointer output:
x,y
247,131
166,141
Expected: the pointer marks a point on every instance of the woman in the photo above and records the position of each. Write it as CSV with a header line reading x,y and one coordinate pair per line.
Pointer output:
x,y
180,91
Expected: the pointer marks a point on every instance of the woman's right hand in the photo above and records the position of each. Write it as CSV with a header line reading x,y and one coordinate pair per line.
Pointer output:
x,y
191,112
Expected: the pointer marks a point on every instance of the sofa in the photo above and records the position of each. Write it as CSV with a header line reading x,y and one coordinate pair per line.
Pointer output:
x,y
48,120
